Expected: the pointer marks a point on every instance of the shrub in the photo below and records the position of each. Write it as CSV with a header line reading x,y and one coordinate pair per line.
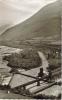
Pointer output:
x,y
6,57
26,59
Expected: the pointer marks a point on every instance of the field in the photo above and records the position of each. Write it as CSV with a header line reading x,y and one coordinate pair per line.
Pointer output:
x,y
5,95
4,69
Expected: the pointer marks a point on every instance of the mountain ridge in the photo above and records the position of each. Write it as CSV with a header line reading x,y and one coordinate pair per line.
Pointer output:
x,y
44,23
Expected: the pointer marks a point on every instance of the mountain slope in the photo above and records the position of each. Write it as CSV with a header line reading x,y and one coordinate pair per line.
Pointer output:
x,y
43,24
3,28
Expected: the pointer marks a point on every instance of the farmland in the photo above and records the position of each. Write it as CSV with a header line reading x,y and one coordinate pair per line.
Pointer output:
x,y
22,74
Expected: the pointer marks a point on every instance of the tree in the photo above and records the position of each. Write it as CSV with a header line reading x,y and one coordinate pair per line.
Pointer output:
x,y
26,59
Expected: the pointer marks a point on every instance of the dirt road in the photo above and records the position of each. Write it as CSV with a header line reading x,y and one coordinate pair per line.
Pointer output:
x,y
45,63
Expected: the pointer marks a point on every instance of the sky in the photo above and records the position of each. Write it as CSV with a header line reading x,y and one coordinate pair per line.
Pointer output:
x,y
16,11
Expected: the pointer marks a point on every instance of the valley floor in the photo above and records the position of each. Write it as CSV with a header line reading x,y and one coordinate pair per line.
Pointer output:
x,y
4,69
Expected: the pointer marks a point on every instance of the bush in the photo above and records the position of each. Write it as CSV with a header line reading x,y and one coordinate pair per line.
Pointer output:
x,y
26,59
6,58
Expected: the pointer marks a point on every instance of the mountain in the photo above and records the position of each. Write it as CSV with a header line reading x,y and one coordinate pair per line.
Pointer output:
x,y
8,16
3,28
45,23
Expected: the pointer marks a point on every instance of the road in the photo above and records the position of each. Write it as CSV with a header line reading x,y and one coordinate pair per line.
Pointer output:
x,y
33,72
45,63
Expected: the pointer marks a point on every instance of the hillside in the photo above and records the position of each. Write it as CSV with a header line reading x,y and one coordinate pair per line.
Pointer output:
x,y
3,28
45,23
